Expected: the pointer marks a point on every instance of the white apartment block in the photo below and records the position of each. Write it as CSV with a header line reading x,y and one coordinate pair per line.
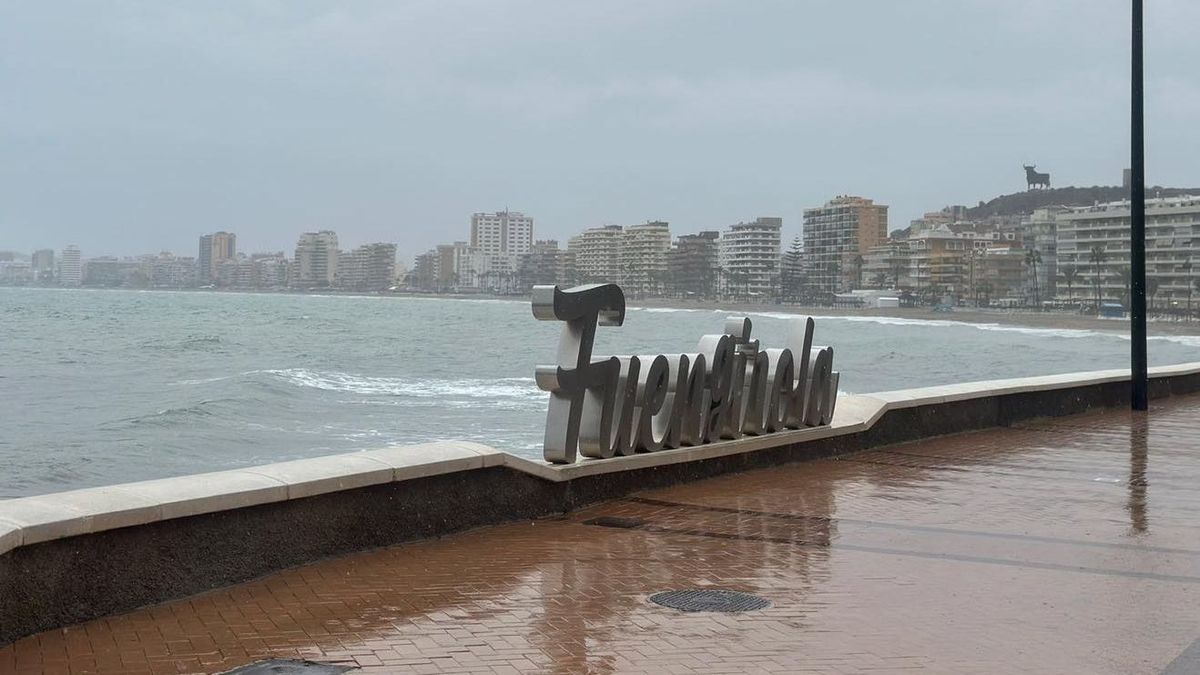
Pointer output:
x,y
597,254
1172,247
642,258
1039,233
316,259
750,257
70,271
371,267
508,232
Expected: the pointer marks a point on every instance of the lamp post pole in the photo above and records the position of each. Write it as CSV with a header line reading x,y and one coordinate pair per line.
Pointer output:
x,y
1137,212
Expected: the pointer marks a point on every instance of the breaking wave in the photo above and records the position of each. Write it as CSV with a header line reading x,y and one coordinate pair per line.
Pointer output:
x,y
667,310
512,388
1071,333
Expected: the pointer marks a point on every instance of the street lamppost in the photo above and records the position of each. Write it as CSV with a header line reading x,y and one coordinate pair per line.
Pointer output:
x,y
1187,267
1139,376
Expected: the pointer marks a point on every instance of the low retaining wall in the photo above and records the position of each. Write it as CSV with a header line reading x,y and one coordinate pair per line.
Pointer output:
x,y
74,556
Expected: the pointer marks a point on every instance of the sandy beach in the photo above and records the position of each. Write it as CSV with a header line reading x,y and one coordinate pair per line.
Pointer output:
x,y
966,315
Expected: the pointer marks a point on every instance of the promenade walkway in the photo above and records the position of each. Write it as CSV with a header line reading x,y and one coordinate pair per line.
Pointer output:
x,y
1057,546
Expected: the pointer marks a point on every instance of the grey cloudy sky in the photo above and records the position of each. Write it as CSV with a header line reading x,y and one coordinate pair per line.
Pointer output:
x,y
130,127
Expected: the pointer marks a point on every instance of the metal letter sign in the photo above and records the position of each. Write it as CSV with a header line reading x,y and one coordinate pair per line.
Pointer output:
x,y
729,388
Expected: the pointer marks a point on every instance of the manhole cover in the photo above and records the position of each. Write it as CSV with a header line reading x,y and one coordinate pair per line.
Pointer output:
x,y
709,600
288,667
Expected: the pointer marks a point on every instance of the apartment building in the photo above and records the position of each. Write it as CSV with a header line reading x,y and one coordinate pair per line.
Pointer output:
x,y
597,254
693,265
749,257
70,267
316,259
837,238
215,249
1094,241
642,257
503,232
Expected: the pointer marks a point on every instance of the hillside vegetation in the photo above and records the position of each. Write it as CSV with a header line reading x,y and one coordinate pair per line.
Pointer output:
x,y
1025,202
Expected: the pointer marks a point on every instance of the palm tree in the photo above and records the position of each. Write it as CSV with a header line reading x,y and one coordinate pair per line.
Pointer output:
x,y
879,279
792,270
858,271
1033,258
1070,275
1152,285
1097,257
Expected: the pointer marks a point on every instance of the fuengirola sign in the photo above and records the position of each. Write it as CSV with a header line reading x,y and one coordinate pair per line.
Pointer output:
x,y
728,388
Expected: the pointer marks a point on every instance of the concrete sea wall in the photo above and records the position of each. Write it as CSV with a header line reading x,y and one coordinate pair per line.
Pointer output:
x,y
74,556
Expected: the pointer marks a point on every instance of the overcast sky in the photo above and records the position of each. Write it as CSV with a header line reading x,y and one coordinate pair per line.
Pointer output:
x,y
129,127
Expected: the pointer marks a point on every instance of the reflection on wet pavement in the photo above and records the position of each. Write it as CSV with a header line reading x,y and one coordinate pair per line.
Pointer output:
x,y
1068,545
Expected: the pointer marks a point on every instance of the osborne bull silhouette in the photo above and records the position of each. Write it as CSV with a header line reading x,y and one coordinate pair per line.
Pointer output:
x,y
1035,179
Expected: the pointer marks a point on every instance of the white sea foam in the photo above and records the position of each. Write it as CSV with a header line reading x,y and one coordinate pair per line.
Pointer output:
x,y
204,380
1187,340
1072,333
519,388
664,310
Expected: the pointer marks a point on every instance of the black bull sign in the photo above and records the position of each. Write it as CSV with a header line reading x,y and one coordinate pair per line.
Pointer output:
x,y
728,388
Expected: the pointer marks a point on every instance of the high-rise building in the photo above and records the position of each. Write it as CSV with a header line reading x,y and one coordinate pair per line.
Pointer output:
x,y
459,265
367,268
642,257
70,272
838,236
1039,233
546,264
597,253
14,271
502,232
43,264
887,265
167,271
271,270
425,272
750,257
111,272
215,248
692,265
1093,246
316,259
379,265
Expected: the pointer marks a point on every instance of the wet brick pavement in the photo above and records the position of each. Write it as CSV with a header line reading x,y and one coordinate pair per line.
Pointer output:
x,y
1058,546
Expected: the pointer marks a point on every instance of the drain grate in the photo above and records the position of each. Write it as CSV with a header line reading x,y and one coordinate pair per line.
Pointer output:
x,y
709,600
289,667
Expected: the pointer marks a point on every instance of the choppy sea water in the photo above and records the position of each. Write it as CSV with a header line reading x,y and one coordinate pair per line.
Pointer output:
x,y
100,387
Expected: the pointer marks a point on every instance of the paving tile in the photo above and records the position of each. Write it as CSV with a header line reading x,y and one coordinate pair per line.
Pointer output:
x,y
1067,545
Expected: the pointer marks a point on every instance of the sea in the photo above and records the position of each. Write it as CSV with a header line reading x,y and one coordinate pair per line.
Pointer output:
x,y
108,386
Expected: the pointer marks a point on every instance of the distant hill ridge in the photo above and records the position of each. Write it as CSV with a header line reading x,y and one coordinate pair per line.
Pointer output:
x,y
1024,202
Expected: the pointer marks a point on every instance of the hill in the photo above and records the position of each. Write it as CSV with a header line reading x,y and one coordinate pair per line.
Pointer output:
x,y
1025,202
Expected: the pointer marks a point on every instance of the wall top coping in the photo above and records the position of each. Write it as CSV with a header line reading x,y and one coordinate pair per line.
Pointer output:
x,y
30,520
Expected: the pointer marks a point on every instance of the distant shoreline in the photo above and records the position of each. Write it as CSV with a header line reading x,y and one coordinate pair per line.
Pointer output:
x,y
1026,319
1006,317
